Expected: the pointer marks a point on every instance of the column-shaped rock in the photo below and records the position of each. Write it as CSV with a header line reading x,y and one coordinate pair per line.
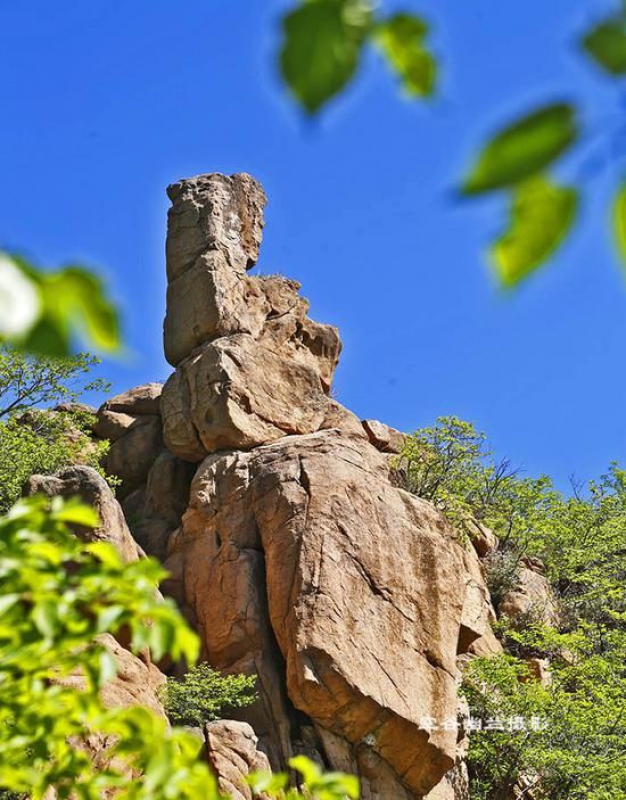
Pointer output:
x,y
251,367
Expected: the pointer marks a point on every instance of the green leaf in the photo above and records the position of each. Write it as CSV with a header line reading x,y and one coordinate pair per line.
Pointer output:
x,y
309,770
322,45
7,601
20,303
401,39
108,667
606,44
541,215
75,295
266,782
68,301
76,513
46,619
619,221
523,149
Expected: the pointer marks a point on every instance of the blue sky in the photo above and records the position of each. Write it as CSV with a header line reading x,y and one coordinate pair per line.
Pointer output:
x,y
104,103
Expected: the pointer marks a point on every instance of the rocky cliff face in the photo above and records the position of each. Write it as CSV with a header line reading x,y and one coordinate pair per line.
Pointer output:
x,y
289,547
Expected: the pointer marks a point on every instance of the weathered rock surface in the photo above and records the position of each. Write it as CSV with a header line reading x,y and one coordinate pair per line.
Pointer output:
x,y
84,482
131,456
384,437
214,233
531,599
251,366
136,684
232,753
365,590
293,553
132,422
144,400
483,539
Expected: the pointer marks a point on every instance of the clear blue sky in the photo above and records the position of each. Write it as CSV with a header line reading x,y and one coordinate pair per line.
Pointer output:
x,y
104,103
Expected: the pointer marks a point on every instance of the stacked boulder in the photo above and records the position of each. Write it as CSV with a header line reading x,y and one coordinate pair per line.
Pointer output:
x,y
251,367
298,557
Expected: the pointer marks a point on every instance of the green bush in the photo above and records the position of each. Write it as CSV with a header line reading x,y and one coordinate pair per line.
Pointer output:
x,y
203,694
39,441
576,752
43,443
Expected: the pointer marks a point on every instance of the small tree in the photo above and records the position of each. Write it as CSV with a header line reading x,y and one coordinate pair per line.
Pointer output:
x,y
203,694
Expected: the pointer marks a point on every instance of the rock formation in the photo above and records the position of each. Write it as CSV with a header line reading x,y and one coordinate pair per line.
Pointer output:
x,y
292,550
242,344
298,558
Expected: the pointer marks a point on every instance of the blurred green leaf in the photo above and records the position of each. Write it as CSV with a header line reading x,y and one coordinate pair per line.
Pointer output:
x,y
74,296
48,308
619,221
606,44
74,512
541,215
20,303
322,45
523,149
309,770
401,39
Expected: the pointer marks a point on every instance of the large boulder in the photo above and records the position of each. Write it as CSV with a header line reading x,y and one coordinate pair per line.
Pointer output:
x,y
86,483
233,754
140,401
214,232
349,597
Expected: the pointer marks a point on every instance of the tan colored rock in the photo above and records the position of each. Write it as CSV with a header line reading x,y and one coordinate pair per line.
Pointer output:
x,y
112,424
73,407
214,233
540,670
384,437
340,419
240,392
483,539
531,599
214,212
167,489
137,402
232,752
251,366
453,786
136,683
305,542
84,482
476,635
132,455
